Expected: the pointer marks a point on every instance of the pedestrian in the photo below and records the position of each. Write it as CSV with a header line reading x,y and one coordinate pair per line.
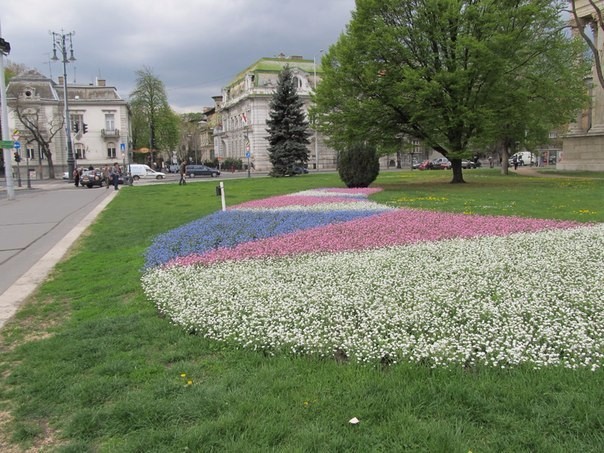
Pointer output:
x,y
183,173
76,177
490,161
115,175
107,176
515,162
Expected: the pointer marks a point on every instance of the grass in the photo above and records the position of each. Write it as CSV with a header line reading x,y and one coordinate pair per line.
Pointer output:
x,y
88,365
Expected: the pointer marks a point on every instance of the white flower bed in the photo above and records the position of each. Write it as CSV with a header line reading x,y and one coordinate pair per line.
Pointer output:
x,y
534,298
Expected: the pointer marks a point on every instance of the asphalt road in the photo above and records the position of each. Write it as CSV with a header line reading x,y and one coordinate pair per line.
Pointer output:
x,y
37,228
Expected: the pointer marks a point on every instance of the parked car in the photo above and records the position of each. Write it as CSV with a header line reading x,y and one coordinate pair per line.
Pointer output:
x,y
440,163
144,171
299,170
465,163
524,158
91,178
202,170
424,165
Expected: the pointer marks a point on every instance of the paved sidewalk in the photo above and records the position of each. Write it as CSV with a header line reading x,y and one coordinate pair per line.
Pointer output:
x,y
37,229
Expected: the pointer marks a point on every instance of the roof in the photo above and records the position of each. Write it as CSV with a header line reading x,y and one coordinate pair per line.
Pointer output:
x,y
44,86
276,64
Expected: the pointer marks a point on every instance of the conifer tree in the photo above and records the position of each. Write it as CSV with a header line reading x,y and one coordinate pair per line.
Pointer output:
x,y
287,127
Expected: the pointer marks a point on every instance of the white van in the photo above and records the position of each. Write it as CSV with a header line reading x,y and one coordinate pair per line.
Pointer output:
x,y
524,158
139,171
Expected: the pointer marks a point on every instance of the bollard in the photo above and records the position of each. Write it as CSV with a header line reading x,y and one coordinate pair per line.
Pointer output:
x,y
221,188
218,191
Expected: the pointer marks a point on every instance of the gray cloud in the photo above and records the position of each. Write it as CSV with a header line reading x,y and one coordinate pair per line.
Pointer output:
x,y
195,47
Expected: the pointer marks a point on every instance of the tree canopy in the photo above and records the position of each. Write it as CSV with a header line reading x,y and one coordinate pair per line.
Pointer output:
x,y
154,124
287,127
452,73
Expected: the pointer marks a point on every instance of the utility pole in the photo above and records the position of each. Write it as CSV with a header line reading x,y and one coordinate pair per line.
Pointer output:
x,y
8,169
59,41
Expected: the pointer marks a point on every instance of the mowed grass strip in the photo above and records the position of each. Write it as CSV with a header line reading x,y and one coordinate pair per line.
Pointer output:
x,y
88,365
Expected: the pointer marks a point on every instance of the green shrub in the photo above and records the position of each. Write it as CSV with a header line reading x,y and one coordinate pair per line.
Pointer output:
x,y
232,164
359,165
211,163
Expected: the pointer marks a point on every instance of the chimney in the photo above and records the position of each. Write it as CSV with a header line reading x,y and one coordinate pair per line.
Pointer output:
x,y
101,82
61,80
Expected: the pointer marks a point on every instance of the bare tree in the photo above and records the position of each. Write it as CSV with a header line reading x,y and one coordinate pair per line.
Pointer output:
x,y
597,22
39,130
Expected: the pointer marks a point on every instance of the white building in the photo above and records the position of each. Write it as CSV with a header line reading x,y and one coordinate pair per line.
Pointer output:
x,y
98,108
243,110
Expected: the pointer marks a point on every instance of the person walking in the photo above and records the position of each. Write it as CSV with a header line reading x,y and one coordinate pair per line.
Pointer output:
x,y
183,173
515,162
107,176
115,175
76,177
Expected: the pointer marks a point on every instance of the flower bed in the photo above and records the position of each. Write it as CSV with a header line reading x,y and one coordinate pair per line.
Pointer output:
x,y
332,271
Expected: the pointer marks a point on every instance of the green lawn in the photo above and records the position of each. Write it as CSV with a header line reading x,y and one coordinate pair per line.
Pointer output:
x,y
88,365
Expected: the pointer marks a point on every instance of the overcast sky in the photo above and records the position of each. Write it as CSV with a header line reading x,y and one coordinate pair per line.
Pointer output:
x,y
194,46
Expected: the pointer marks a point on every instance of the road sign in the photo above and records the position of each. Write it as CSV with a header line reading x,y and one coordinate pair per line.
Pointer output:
x,y
123,146
8,144
16,134
247,154
17,145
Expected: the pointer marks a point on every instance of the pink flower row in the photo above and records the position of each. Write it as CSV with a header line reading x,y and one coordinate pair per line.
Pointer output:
x,y
295,200
397,227
310,198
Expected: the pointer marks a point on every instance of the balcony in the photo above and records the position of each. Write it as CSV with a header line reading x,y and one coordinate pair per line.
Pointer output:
x,y
110,133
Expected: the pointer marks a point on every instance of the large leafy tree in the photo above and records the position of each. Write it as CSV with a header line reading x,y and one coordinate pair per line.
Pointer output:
x,y
154,123
443,71
287,127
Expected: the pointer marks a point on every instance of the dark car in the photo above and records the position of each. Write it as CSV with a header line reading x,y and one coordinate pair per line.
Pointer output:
x,y
202,170
298,170
91,178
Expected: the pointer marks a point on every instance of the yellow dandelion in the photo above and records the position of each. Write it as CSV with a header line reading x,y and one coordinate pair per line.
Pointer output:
x,y
189,382
182,375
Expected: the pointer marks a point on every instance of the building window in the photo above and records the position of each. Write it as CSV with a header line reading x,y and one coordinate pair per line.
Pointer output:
x,y
416,146
111,151
109,121
31,155
80,151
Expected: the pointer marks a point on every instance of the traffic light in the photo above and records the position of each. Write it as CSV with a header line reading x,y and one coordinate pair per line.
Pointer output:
x,y
4,46
17,157
76,127
84,128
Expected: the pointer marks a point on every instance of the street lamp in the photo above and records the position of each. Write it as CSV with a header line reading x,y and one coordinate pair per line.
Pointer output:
x,y
8,169
314,60
59,42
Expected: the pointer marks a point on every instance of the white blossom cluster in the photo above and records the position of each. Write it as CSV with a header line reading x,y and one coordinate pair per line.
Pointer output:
x,y
367,206
528,298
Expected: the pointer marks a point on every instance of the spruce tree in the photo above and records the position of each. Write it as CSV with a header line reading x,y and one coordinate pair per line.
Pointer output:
x,y
287,127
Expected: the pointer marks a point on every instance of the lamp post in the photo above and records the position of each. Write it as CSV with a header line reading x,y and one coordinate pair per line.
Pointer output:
x,y
314,60
8,169
59,41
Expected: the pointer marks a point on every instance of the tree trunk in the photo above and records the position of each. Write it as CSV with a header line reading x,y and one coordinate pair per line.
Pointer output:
x,y
457,172
505,156
51,167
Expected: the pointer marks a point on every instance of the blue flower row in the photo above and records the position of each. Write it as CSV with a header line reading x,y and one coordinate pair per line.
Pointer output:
x,y
230,228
